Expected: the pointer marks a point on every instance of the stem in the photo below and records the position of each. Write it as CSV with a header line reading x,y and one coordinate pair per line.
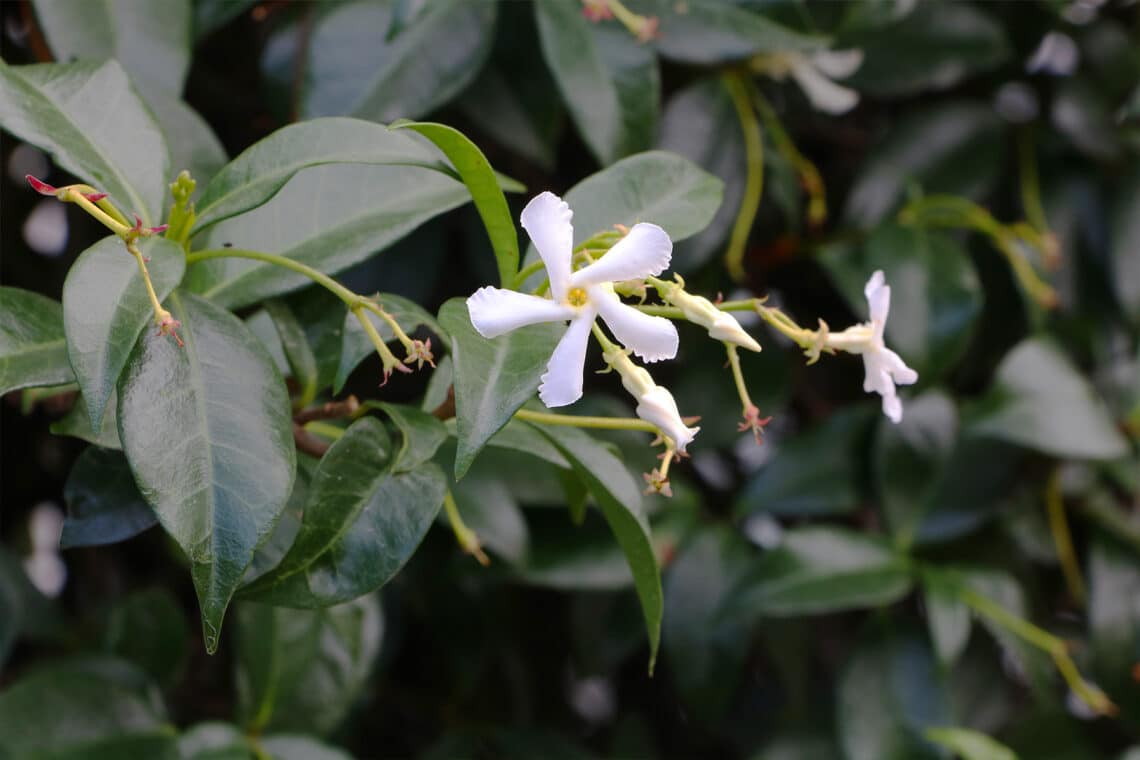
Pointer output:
x,y
809,174
466,537
738,377
737,87
388,359
391,322
1030,184
1063,539
107,220
154,302
597,423
525,273
324,429
350,299
1099,509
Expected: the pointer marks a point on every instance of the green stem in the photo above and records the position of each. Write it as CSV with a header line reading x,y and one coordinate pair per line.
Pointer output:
x,y
350,299
525,273
597,423
738,378
809,174
466,537
738,90
1063,539
324,429
1030,183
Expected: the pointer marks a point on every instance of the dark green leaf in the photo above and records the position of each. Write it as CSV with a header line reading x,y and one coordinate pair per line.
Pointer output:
x,y
213,741
149,629
361,524
610,81
955,147
499,106
969,744
118,150
1125,249
77,424
274,549
822,569
493,378
106,307
193,145
572,557
288,747
620,501
1114,626
947,619
151,40
889,694
82,708
356,346
195,421
1040,401
422,435
211,15
362,59
481,182
327,217
525,439
33,350
298,353
935,294
934,47
301,670
104,505
492,511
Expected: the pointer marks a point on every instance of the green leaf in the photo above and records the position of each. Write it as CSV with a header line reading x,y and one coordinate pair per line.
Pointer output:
x,y
213,740
610,82
301,670
77,424
356,346
270,553
955,147
361,524
289,747
106,307
265,167
518,436
1125,243
193,144
150,39
118,150
619,499
490,509
822,569
936,298
96,708
1040,401
422,435
813,473
934,47
195,422
483,185
1114,627
493,378
363,59
149,629
969,744
104,505
327,217
298,354
947,619
712,31
509,109
889,694
33,350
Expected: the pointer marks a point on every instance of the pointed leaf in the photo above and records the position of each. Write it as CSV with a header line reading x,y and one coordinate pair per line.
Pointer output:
x,y
493,378
422,435
104,505
106,306
77,424
298,353
63,109
361,524
196,423
33,350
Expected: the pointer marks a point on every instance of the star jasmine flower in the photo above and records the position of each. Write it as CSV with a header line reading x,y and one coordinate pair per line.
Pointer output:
x,y
884,368
580,297
814,74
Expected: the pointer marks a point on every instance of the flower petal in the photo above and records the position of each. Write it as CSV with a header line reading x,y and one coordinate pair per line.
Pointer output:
x,y
659,407
824,94
645,251
838,64
878,294
651,338
896,367
892,407
547,220
495,311
562,383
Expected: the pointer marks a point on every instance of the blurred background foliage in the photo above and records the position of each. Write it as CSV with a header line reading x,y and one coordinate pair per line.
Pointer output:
x,y
818,586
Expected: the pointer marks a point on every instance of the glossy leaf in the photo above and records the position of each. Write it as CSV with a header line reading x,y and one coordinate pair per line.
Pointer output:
x,y
148,628
711,31
298,354
889,694
106,307
1040,401
151,39
936,298
265,167
367,59
104,505
362,522
194,422
969,744
301,670
932,48
479,177
62,108
1125,246
620,501
493,378
822,569
327,217
422,435
83,708
610,81
77,424
33,350
356,346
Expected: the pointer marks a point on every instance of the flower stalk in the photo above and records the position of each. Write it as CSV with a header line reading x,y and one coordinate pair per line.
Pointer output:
x,y
467,539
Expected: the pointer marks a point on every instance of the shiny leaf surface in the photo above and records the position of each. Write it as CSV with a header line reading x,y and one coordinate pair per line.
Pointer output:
x,y
104,505
33,350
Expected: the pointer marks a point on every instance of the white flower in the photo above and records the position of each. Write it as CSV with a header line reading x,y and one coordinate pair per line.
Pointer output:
x,y
580,297
44,567
659,407
884,368
814,74
701,311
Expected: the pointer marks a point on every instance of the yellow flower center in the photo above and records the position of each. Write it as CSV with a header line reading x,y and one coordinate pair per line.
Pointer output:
x,y
577,297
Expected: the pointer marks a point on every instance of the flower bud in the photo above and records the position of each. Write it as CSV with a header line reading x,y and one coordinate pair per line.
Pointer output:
x,y
658,406
720,324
